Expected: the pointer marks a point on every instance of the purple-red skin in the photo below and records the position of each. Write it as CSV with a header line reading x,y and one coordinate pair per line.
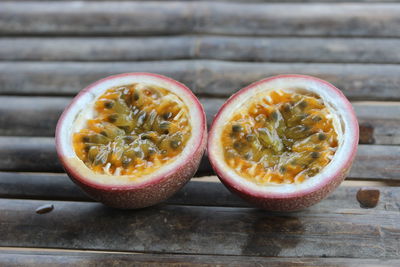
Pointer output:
x,y
289,201
147,193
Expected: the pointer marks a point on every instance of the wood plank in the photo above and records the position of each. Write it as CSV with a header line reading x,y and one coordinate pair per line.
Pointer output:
x,y
38,116
51,258
134,18
240,1
204,77
38,154
201,230
275,49
204,191
378,122
30,116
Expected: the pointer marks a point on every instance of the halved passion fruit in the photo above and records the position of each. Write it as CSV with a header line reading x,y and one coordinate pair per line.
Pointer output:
x,y
285,142
132,140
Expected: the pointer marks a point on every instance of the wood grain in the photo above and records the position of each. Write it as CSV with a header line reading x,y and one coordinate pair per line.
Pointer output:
x,y
51,258
198,192
134,18
240,1
275,49
37,116
38,154
204,77
196,230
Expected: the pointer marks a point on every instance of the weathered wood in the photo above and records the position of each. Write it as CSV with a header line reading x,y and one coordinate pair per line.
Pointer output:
x,y
197,230
378,122
38,154
354,50
217,78
28,154
133,18
54,258
93,49
247,1
197,192
27,116
30,116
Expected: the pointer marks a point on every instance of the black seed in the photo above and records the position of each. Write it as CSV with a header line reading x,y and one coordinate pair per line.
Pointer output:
x,y
175,144
129,139
87,148
303,116
321,136
237,145
315,155
135,96
164,125
316,118
85,139
139,154
44,209
167,115
250,137
303,104
286,107
104,133
113,118
274,115
236,128
282,169
109,104
145,136
127,129
166,132
125,162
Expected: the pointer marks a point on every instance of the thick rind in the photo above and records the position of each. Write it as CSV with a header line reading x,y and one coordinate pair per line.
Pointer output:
x,y
290,201
146,193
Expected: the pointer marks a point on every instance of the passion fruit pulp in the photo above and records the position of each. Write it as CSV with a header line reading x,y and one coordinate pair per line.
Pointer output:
x,y
285,142
132,140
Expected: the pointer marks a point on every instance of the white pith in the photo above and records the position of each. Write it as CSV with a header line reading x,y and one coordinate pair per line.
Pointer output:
x,y
82,109
342,123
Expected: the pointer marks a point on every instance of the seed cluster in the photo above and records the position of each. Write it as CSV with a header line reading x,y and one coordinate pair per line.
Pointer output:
x,y
137,128
280,137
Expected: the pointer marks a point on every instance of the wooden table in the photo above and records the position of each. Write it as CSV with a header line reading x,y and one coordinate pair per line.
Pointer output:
x,y
51,50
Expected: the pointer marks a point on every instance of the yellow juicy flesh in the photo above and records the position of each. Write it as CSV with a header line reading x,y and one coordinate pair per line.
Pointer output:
x,y
280,138
136,129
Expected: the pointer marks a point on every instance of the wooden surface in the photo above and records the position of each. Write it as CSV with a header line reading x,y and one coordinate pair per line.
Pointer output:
x,y
49,51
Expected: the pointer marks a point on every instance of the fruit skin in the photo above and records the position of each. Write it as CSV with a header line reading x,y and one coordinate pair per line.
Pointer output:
x,y
146,193
286,201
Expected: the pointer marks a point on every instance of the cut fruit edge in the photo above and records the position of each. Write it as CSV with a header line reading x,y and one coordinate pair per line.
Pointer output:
x,y
81,109
341,161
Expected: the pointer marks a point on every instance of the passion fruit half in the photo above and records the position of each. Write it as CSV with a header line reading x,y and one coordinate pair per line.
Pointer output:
x,y
285,142
132,140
